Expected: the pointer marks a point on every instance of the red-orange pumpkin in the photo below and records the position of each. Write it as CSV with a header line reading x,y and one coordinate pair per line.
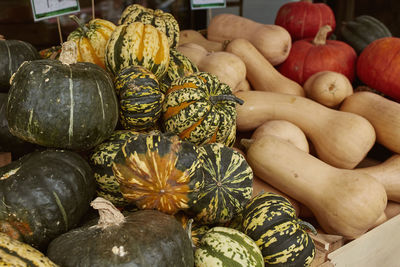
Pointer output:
x,y
303,19
309,56
378,66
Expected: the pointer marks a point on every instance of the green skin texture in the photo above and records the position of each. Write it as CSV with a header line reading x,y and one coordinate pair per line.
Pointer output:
x,y
49,108
46,194
148,238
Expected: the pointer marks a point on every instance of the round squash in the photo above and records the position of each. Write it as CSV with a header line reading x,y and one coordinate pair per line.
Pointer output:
x,y
12,54
91,39
137,44
141,238
44,194
309,56
69,106
163,21
227,185
200,109
271,221
158,171
140,98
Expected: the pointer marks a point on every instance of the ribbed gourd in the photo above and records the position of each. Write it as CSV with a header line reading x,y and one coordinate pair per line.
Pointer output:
x,y
227,187
271,221
200,109
159,171
140,98
137,44
163,21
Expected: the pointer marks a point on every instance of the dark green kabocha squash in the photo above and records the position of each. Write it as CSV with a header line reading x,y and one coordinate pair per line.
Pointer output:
x,y
140,98
271,221
362,31
141,238
61,104
44,194
12,54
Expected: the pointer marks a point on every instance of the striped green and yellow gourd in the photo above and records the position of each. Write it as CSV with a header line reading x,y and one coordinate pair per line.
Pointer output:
x,y
163,21
271,221
200,109
227,247
140,98
137,44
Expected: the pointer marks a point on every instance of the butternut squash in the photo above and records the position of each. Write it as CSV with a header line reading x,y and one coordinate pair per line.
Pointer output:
x,y
192,36
285,130
344,202
388,174
341,139
260,73
244,85
328,88
229,68
392,209
381,112
273,41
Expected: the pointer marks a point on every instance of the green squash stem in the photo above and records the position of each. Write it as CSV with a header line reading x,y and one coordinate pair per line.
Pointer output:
x,y
109,214
216,98
189,231
82,25
307,226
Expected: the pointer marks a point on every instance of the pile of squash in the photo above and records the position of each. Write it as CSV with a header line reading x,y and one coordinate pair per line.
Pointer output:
x,y
142,144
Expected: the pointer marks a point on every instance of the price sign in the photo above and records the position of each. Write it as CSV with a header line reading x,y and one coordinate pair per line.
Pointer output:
x,y
206,4
44,9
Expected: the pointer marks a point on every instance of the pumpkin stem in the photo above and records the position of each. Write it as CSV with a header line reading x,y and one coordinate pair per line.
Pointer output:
x,y
246,143
109,214
216,98
307,226
189,231
69,53
320,38
80,23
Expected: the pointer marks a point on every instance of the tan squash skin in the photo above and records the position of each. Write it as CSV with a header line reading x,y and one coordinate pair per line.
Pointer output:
x,y
285,130
388,174
328,88
344,202
260,73
381,112
341,139
192,36
229,68
244,85
273,41
392,209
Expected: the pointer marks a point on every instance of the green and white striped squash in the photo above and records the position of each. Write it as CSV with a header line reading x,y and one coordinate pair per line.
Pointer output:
x,y
159,171
16,253
179,66
140,98
200,109
137,44
227,247
163,21
271,221
228,181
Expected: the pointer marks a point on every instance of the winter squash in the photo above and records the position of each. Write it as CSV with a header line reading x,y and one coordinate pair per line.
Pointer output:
x,y
12,54
271,221
363,30
227,185
91,39
158,171
309,56
192,36
302,19
179,66
137,44
377,66
44,194
163,21
17,253
223,246
140,98
141,238
200,109
69,106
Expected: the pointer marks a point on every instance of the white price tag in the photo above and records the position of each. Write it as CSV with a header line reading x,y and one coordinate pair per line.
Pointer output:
x,y
206,4
44,9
